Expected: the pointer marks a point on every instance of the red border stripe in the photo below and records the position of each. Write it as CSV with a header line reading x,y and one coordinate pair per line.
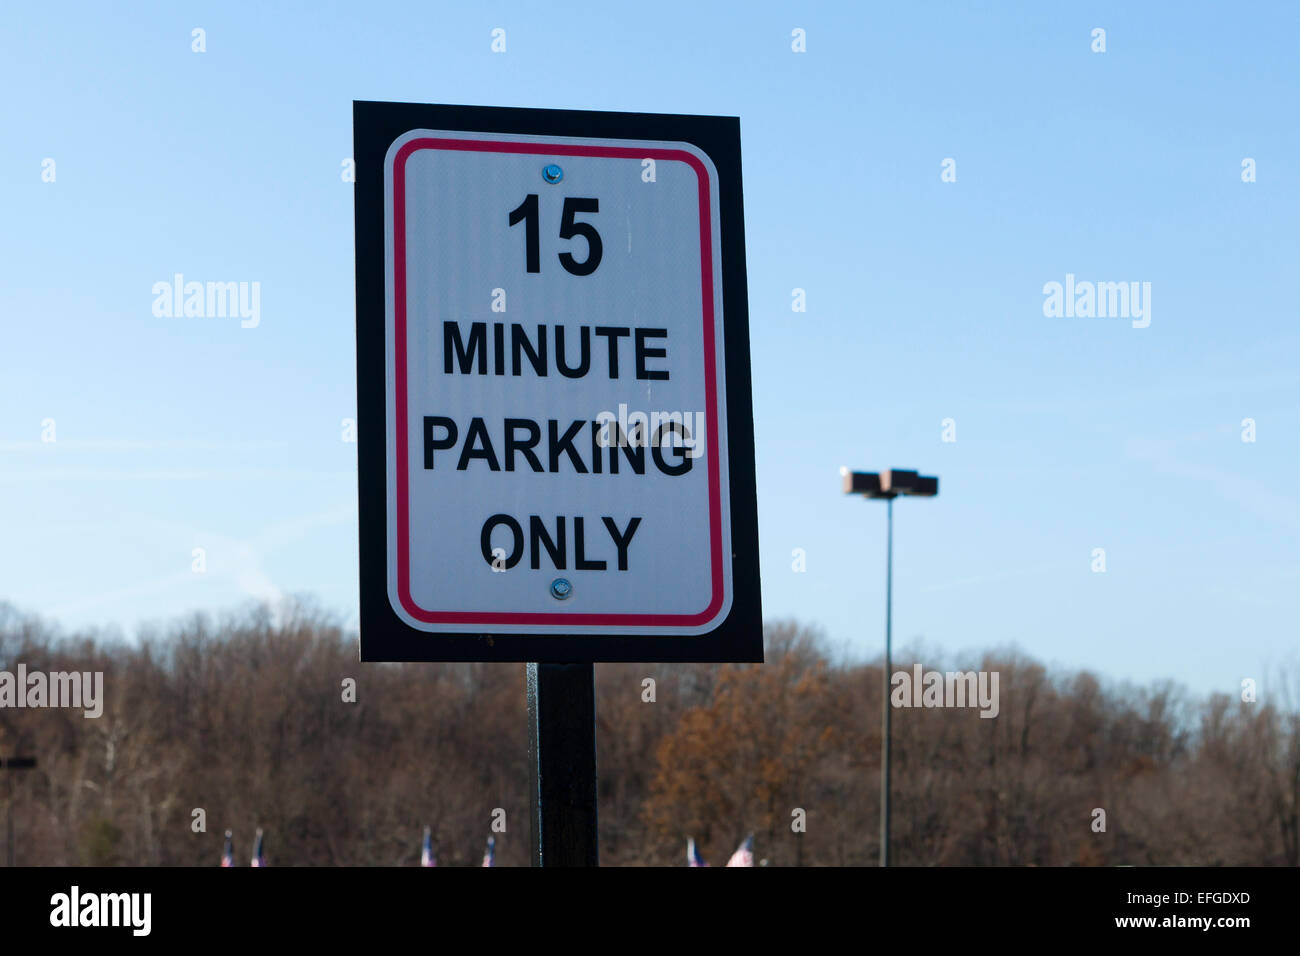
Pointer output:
x,y
559,618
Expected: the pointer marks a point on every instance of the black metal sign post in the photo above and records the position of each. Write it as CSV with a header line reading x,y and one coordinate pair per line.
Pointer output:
x,y
562,763
494,522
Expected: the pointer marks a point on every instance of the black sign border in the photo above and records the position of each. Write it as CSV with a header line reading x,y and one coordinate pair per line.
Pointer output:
x,y
384,635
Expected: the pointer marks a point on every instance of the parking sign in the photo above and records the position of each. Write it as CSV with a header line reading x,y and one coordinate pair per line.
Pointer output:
x,y
555,439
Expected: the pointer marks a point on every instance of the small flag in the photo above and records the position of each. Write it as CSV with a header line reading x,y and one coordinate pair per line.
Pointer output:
x,y
228,854
259,856
490,857
693,857
427,857
745,855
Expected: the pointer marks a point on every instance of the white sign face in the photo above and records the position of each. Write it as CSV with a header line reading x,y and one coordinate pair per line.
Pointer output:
x,y
556,420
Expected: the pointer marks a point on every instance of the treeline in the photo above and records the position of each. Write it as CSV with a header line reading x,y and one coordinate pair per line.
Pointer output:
x,y
246,719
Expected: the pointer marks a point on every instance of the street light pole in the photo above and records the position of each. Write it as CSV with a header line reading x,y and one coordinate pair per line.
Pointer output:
x,y
888,485
885,710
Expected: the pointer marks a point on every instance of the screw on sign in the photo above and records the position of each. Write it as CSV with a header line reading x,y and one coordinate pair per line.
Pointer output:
x,y
555,442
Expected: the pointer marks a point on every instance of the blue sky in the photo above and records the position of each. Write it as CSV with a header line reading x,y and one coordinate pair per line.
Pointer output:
x,y
924,302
